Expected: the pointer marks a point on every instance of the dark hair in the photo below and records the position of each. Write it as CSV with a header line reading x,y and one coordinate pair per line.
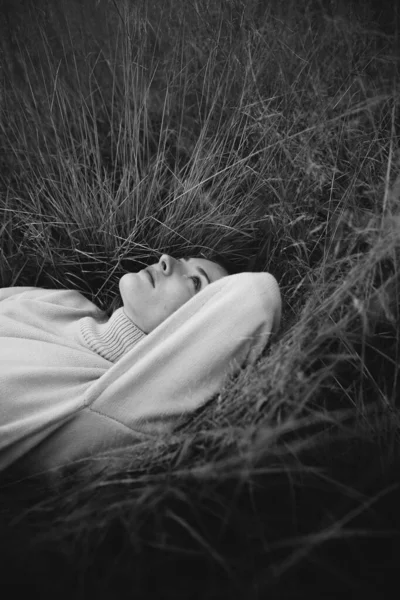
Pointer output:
x,y
220,259
223,261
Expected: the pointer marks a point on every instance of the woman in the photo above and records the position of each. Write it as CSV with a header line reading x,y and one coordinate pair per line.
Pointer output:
x,y
74,382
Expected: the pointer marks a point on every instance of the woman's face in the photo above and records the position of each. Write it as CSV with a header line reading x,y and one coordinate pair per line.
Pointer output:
x,y
154,293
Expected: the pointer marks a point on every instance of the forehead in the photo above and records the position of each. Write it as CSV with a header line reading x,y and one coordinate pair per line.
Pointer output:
x,y
213,270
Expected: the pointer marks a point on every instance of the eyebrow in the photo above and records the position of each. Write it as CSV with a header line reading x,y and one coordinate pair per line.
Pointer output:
x,y
200,270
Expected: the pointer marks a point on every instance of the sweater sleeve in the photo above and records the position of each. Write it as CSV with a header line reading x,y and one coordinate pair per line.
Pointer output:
x,y
183,362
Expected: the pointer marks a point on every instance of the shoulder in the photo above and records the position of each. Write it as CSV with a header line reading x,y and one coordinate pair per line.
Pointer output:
x,y
63,298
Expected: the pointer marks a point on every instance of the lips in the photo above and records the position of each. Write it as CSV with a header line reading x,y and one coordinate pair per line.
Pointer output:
x,y
151,277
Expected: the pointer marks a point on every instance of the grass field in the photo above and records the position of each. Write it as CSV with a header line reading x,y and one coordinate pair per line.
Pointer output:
x,y
267,132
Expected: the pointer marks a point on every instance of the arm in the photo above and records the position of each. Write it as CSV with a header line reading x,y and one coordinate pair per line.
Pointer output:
x,y
184,362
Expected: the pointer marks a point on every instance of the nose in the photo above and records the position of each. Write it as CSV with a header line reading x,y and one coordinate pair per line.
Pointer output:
x,y
167,264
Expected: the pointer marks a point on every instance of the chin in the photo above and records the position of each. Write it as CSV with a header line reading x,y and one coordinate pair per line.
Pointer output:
x,y
127,284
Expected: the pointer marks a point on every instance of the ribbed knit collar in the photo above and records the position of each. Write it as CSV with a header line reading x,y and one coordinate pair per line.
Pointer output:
x,y
111,339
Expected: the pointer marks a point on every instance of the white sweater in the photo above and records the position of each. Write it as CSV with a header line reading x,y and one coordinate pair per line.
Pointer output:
x,y
74,382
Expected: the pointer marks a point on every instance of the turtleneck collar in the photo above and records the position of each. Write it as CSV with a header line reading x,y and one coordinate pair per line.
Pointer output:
x,y
113,338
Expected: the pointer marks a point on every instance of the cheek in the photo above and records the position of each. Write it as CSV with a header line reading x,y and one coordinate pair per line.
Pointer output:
x,y
176,300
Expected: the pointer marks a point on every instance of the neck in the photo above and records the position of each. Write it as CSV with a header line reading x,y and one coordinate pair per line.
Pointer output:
x,y
113,338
